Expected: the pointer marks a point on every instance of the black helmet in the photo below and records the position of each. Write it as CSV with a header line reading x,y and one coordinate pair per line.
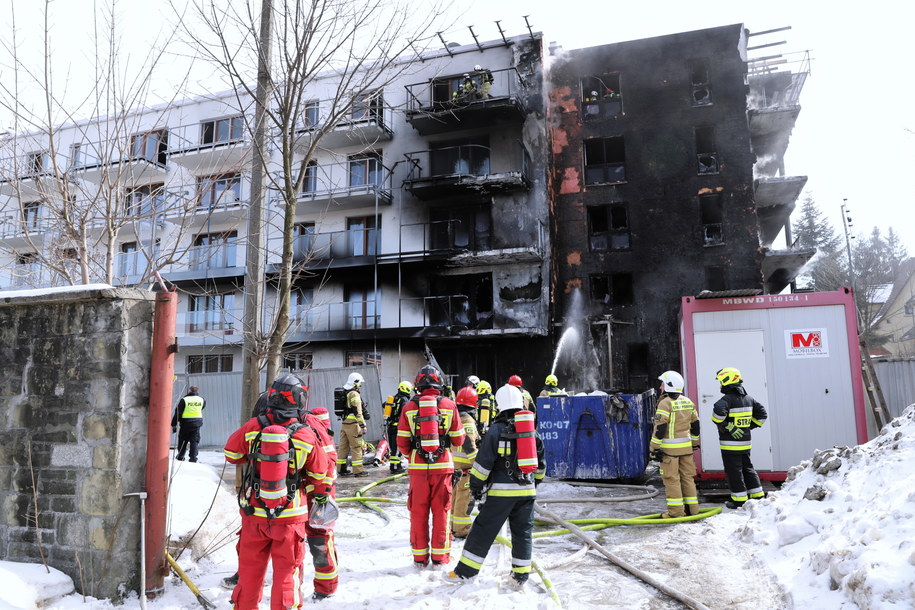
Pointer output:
x,y
287,390
428,377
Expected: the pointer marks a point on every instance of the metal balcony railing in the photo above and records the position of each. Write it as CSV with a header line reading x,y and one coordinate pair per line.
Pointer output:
x,y
336,245
355,178
210,321
462,161
210,134
341,316
212,256
453,312
34,220
369,111
148,148
448,93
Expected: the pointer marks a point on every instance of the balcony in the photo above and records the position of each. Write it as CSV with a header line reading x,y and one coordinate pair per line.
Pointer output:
x,y
211,146
32,176
137,160
455,103
442,316
364,125
220,199
455,244
209,327
466,170
334,321
211,261
18,229
775,201
359,183
780,267
773,105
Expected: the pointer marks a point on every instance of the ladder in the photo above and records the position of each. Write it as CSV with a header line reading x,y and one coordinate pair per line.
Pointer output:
x,y
872,387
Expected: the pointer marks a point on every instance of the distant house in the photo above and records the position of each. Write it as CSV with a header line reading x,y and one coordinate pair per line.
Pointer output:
x,y
896,318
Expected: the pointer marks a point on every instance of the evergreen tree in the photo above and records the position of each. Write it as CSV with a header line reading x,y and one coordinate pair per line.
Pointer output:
x,y
825,270
897,251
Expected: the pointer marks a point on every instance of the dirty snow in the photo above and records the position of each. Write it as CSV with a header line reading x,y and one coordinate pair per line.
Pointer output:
x,y
838,535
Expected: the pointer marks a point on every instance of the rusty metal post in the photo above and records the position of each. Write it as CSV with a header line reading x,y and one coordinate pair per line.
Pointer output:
x,y
161,381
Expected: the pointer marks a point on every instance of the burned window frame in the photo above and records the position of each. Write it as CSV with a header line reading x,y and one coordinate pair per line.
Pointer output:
x,y
614,237
711,220
707,159
609,100
620,288
612,171
700,82
716,279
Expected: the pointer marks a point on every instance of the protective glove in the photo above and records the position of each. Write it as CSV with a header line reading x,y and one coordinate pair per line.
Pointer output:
x,y
656,455
456,476
471,505
319,499
476,494
735,432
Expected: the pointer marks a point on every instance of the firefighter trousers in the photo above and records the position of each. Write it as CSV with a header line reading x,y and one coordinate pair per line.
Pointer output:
x,y
430,494
519,511
678,473
282,544
395,459
743,482
323,551
460,518
351,441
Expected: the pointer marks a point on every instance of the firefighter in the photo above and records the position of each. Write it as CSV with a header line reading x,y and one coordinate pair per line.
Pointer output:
x,y
268,534
675,437
187,421
508,494
353,429
321,543
472,381
515,380
404,393
486,406
550,387
735,414
463,461
430,467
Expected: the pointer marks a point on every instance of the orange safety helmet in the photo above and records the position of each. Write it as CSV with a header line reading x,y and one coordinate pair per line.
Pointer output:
x,y
467,396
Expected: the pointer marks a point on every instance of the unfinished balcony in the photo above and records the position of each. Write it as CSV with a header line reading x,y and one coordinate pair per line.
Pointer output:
x,y
360,182
773,105
466,101
776,199
212,146
367,123
466,170
140,159
33,176
462,243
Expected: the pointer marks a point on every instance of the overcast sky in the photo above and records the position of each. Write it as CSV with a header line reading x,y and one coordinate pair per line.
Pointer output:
x,y
852,138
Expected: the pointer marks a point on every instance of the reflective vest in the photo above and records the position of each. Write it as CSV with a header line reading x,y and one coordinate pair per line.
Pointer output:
x,y
676,426
193,408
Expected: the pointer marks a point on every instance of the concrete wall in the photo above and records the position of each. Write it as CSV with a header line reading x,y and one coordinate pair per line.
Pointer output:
x,y
74,390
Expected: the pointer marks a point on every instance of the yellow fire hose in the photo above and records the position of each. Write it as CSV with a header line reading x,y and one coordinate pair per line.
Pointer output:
x,y
200,598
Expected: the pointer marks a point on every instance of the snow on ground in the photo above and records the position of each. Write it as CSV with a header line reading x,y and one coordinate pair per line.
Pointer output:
x,y
838,535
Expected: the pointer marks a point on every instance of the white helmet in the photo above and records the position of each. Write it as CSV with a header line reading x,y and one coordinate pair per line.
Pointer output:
x,y
473,380
509,397
353,381
478,68
672,381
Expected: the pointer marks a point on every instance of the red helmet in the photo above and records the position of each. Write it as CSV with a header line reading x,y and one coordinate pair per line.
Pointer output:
x,y
428,377
467,396
515,381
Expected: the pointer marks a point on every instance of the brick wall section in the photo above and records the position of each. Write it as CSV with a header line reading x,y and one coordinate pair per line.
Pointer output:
x,y
74,391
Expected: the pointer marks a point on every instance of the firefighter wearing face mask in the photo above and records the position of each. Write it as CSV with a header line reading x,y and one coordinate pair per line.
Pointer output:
x,y
675,437
463,462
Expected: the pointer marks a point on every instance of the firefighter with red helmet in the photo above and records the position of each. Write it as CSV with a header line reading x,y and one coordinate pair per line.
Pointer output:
x,y
675,437
463,461
529,404
320,537
736,414
509,466
273,527
428,430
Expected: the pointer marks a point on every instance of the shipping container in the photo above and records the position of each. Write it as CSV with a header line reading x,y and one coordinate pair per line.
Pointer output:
x,y
798,355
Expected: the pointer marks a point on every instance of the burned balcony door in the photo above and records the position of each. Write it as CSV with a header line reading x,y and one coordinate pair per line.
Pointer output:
x,y
464,157
465,303
461,228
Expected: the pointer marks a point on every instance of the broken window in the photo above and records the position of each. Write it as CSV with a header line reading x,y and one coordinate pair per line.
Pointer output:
x,y
710,216
715,278
700,87
706,150
600,96
461,301
298,361
613,289
608,227
461,158
460,228
364,359
605,160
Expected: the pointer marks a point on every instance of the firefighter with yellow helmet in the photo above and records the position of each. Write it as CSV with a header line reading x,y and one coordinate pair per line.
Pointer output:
x,y
550,387
486,406
675,437
736,414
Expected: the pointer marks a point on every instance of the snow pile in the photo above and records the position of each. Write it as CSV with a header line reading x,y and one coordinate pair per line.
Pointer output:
x,y
839,533
29,585
193,490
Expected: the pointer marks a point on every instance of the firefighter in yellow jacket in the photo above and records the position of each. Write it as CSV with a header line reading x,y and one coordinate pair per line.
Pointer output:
x,y
675,437
352,431
463,462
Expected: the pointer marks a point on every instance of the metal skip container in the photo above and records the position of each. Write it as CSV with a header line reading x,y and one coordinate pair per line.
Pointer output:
x,y
596,436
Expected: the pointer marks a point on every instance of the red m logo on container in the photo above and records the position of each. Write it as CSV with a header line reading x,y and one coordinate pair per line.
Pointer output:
x,y
799,340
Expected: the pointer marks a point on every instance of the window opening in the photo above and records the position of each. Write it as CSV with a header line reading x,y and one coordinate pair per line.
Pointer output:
x,y
151,146
605,160
362,236
209,363
600,96
609,227
217,131
706,150
699,82
715,278
711,215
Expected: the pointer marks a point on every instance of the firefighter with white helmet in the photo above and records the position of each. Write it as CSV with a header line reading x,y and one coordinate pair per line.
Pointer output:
x,y
352,433
675,437
736,414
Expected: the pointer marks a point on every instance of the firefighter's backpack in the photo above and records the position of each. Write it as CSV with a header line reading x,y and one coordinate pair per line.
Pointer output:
x,y
429,438
518,448
271,473
340,406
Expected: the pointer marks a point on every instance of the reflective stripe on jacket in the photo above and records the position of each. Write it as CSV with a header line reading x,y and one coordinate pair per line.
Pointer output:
x,y
676,425
740,409
451,427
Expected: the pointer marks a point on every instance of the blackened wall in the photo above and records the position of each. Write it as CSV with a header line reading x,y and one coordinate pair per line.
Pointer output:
x,y
668,254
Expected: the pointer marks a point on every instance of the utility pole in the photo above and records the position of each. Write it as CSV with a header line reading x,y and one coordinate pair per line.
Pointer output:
x,y
255,263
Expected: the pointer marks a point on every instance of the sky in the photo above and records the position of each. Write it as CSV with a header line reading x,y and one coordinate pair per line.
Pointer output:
x,y
838,535
854,138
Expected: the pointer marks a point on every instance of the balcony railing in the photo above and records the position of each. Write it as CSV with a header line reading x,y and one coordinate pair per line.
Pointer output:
x,y
467,167
212,256
147,149
345,316
32,175
366,122
201,136
355,183
336,245
443,94
448,312
209,321
35,221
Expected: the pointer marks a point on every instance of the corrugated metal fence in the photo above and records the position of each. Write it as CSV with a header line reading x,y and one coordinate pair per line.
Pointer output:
x,y
897,380
222,392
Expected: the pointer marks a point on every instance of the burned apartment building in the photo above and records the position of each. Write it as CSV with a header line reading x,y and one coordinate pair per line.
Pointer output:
x,y
667,180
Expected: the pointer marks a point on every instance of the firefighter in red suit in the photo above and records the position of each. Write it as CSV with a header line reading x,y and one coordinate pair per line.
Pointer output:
x,y
430,472
279,539
321,541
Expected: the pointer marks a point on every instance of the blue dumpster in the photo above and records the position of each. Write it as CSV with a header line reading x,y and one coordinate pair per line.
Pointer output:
x,y
590,437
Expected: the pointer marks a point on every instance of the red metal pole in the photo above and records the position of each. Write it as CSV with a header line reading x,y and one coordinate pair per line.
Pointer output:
x,y
161,381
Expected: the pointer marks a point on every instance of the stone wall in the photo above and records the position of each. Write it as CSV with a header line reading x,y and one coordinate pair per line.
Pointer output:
x,y
74,393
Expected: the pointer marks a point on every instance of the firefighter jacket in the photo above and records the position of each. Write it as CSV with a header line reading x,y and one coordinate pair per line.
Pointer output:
x,y
353,408
676,425
467,452
735,414
326,441
495,463
529,403
309,460
451,432
189,411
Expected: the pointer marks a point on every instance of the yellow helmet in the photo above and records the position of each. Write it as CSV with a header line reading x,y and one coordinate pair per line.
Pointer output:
x,y
406,387
484,388
551,380
728,376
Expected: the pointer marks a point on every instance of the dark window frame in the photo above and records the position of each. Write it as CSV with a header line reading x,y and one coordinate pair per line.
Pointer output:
x,y
604,161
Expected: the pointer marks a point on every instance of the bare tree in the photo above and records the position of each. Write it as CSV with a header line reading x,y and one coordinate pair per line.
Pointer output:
x,y
80,170
346,49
